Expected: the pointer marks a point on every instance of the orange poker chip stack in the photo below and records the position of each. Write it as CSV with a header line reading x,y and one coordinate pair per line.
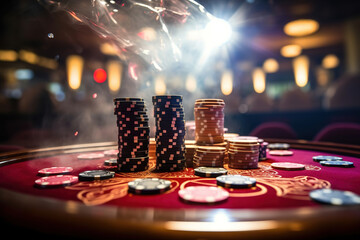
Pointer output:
x,y
209,121
209,156
243,152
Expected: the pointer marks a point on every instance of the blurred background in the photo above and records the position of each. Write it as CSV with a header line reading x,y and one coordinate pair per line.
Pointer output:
x,y
286,69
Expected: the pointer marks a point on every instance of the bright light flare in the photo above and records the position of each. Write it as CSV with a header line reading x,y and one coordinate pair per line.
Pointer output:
x,y
301,70
217,32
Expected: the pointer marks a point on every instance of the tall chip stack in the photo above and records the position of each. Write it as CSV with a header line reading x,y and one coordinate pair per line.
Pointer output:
x,y
170,133
209,121
133,134
243,152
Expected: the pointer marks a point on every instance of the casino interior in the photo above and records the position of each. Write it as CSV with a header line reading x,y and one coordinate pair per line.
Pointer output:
x,y
286,73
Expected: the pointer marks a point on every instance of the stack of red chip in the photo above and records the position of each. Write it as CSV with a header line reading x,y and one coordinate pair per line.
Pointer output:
x,y
209,156
243,152
209,121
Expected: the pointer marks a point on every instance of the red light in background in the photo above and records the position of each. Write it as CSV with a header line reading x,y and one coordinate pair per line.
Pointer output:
x,y
100,75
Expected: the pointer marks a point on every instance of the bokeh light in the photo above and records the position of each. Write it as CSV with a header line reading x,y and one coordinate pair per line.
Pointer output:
x,y
100,75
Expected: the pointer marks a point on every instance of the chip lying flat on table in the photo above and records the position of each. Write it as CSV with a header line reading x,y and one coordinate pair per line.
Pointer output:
x,y
55,170
56,181
209,171
334,197
203,194
96,175
149,185
235,181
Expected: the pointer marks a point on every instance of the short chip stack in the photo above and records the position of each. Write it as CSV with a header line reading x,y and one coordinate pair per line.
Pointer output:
x,y
209,121
209,156
133,134
243,152
262,150
170,133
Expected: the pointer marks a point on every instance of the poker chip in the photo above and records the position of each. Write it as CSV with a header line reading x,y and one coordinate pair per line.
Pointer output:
x,y
278,146
262,150
243,152
149,186
334,197
170,133
55,170
96,175
288,166
56,181
235,181
281,153
90,156
111,153
337,163
209,156
209,121
110,162
326,158
203,194
133,134
209,171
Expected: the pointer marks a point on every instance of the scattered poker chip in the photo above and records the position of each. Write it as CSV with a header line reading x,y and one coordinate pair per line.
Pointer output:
x,y
334,197
281,153
203,194
111,153
56,181
326,158
279,146
90,156
288,166
209,171
96,175
55,170
337,163
110,162
235,181
149,186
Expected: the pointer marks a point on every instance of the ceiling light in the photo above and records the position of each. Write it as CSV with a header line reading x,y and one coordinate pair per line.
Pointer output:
x,y
301,27
291,51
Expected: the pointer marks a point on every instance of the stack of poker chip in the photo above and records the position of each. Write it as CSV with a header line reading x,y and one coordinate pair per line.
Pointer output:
x,y
209,156
133,134
243,152
262,149
209,121
170,133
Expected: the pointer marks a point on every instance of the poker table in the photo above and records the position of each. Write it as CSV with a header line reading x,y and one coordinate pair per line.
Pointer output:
x,y
277,207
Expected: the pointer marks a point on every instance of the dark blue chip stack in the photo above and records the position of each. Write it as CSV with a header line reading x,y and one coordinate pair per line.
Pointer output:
x,y
262,150
133,134
170,133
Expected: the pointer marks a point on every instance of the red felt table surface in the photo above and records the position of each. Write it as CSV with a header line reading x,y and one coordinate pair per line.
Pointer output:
x,y
275,188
